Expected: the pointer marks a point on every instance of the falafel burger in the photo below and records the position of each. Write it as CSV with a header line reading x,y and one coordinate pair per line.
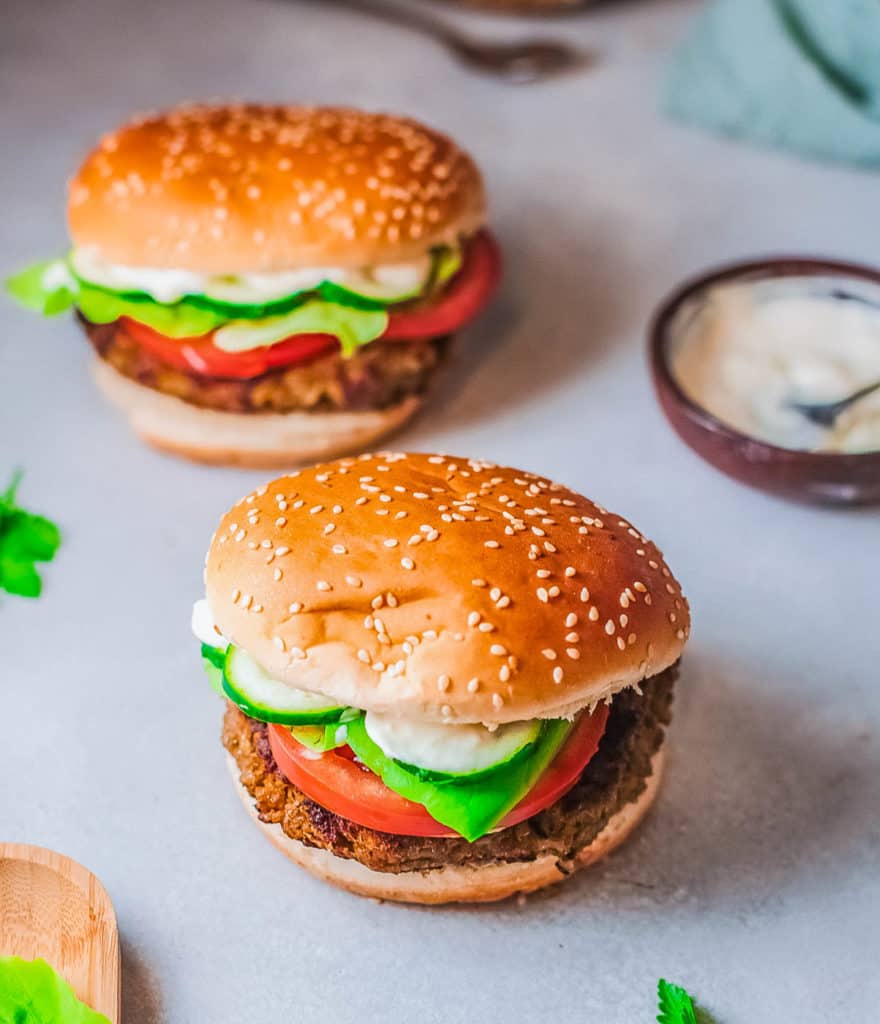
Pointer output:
x,y
445,680
265,285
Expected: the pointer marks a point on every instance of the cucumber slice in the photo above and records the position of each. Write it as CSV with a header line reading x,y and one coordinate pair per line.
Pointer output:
x,y
269,700
439,752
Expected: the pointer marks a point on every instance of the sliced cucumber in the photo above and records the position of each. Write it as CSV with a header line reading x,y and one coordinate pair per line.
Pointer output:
x,y
447,752
269,700
212,662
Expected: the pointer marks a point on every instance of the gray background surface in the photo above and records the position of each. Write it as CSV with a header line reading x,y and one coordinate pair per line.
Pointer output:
x,y
756,879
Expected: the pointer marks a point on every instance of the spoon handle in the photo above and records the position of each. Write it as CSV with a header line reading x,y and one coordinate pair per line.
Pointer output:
x,y
401,15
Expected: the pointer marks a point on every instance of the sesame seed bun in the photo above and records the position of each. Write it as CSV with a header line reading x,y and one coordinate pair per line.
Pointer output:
x,y
455,884
249,188
253,440
444,589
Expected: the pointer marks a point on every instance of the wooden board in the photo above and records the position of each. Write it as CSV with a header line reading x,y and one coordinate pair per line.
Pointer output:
x,y
52,907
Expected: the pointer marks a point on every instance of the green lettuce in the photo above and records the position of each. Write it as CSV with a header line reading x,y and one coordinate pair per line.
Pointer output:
x,y
47,288
353,327
50,288
472,808
31,992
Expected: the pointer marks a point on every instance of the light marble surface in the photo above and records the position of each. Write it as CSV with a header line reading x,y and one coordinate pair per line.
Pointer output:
x,y
757,879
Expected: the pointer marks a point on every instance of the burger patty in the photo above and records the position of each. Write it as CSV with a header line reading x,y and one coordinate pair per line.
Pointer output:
x,y
614,777
377,376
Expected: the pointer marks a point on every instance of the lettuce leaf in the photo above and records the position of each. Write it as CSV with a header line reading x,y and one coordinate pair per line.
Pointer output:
x,y
47,288
353,327
471,808
31,992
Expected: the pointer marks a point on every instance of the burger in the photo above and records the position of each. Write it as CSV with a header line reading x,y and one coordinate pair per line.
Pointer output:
x,y
445,680
264,285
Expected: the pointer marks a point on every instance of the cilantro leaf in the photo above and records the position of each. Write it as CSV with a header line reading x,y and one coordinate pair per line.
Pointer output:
x,y
676,1006
31,992
25,539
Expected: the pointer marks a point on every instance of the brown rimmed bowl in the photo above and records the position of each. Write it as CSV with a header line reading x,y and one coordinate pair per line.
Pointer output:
x,y
820,477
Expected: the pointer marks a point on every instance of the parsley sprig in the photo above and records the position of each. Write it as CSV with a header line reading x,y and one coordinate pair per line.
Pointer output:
x,y
25,539
676,1006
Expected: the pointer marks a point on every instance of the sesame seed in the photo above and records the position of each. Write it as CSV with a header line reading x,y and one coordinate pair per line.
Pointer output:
x,y
236,594
390,542
543,573
571,619
354,581
624,619
558,674
377,601
479,583
339,549
473,685
569,570
572,638
497,700
295,608
610,627
584,595
315,509
277,574
323,585
279,642
573,653
621,643
491,544
407,563
443,683
329,528
549,653
502,601
498,650
486,627
473,618
542,595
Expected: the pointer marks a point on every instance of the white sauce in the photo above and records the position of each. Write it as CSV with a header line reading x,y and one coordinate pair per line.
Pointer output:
x,y
459,749
746,350
168,286
203,626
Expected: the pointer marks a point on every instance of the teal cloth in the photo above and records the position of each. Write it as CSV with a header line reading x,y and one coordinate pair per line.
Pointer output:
x,y
799,74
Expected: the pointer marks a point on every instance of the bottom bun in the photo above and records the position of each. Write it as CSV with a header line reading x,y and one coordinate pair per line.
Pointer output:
x,y
257,440
455,884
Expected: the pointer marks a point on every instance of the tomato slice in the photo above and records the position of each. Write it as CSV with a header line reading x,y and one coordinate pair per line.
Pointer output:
x,y
460,301
202,355
352,791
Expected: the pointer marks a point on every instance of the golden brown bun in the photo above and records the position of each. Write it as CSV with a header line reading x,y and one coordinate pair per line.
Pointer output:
x,y
443,588
454,884
243,187
255,440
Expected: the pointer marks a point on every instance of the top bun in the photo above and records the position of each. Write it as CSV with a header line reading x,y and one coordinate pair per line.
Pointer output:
x,y
443,588
247,188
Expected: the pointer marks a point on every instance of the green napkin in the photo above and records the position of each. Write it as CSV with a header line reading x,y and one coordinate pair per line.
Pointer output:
x,y
798,74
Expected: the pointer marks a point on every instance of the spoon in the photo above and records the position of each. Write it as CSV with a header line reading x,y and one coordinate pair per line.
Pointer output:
x,y
53,908
825,414
528,61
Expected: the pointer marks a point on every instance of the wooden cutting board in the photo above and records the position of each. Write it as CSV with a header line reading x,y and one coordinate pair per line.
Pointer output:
x,y
52,907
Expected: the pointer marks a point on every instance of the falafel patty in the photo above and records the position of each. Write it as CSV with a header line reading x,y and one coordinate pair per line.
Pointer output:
x,y
615,777
377,376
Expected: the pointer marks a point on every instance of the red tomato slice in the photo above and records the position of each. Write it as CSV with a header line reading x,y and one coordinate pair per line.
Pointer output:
x,y
351,790
202,355
461,300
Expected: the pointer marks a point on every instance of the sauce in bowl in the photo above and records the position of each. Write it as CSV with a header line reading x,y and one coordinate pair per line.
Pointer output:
x,y
746,349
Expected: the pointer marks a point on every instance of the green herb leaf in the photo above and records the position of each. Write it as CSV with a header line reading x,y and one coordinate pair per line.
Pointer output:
x,y
24,540
181,319
676,1006
31,992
